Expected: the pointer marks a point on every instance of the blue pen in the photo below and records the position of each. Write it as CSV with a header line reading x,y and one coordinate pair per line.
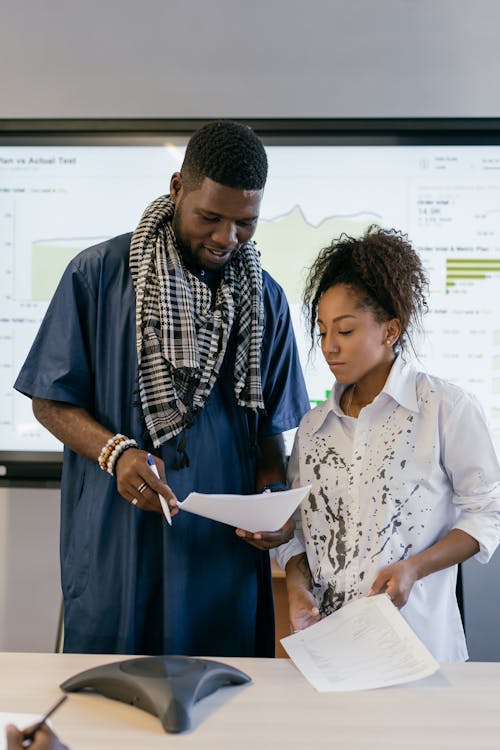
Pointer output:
x,y
164,504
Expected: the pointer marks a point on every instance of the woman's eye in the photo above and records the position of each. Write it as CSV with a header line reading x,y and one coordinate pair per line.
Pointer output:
x,y
345,333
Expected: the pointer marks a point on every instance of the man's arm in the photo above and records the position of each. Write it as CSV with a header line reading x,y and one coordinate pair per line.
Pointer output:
x,y
271,469
77,429
271,462
72,426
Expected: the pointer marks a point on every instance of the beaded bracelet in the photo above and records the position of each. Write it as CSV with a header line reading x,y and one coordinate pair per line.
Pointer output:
x,y
120,448
108,449
112,450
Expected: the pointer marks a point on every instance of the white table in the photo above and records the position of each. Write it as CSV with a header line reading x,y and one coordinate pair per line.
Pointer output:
x,y
459,707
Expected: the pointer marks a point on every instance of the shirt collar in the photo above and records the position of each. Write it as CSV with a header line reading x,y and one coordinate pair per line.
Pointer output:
x,y
401,385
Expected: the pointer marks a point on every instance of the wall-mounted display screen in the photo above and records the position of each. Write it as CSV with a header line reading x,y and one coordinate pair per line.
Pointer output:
x,y
60,194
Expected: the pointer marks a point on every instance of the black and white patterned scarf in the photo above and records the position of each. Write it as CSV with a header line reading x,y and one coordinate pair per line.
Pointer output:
x,y
181,336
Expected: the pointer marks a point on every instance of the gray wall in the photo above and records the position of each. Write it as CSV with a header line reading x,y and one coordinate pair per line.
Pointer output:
x,y
482,608
30,596
264,58
224,58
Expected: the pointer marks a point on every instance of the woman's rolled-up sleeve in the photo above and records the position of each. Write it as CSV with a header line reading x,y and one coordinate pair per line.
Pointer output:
x,y
470,460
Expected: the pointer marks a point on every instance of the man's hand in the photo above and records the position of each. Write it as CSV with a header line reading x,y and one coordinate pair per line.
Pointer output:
x,y
265,540
395,580
136,481
77,429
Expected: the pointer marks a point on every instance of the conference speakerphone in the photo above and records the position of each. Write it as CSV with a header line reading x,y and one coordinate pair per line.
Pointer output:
x,y
165,686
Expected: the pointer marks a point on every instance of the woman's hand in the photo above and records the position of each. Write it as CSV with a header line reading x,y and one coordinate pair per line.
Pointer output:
x,y
395,580
302,607
303,610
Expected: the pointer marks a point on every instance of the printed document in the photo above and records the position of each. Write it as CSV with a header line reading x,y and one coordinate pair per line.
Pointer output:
x,y
262,512
365,644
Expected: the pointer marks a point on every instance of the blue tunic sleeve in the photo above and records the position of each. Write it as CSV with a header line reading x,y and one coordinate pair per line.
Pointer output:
x,y
285,394
88,337
59,364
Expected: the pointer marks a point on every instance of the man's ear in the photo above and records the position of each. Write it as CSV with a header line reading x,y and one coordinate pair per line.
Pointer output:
x,y
176,186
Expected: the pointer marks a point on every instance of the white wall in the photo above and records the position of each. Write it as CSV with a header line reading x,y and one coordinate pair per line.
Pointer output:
x,y
224,58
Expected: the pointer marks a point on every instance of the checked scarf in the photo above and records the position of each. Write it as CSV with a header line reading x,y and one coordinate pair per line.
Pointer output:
x,y
181,336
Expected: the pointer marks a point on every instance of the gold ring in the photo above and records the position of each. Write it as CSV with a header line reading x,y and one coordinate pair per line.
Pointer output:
x,y
142,487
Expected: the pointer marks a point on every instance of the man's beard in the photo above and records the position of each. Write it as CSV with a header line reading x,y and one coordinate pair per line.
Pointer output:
x,y
183,249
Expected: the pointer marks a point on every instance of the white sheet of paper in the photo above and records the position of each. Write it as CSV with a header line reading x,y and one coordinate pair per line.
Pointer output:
x,y
365,644
263,512
20,720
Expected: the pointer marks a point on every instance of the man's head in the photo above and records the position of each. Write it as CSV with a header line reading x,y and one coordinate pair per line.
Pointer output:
x,y
228,153
217,193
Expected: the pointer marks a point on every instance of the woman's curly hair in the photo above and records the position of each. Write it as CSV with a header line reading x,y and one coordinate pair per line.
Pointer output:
x,y
385,271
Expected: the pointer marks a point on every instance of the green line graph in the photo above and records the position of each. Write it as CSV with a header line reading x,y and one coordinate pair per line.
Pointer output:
x,y
49,258
290,243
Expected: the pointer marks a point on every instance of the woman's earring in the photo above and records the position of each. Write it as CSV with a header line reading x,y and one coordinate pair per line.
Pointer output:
x,y
388,341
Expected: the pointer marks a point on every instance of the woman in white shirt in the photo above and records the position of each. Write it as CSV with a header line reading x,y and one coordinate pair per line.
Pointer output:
x,y
405,479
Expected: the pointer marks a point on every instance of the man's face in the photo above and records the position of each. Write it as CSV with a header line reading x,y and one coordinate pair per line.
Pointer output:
x,y
212,221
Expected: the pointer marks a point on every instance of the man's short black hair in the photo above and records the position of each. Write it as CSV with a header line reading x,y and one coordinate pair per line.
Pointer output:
x,y
228,153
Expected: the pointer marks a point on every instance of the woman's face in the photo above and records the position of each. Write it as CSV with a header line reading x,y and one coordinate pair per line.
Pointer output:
x,y
355,345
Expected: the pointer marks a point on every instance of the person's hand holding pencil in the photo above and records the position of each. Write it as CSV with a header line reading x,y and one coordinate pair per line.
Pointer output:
x,y
37,737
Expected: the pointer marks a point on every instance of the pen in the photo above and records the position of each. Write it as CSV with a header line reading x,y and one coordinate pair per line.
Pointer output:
x,y
164,504
28,737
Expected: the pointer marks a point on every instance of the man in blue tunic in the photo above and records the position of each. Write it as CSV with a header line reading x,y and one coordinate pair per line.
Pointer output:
x,y
170,341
